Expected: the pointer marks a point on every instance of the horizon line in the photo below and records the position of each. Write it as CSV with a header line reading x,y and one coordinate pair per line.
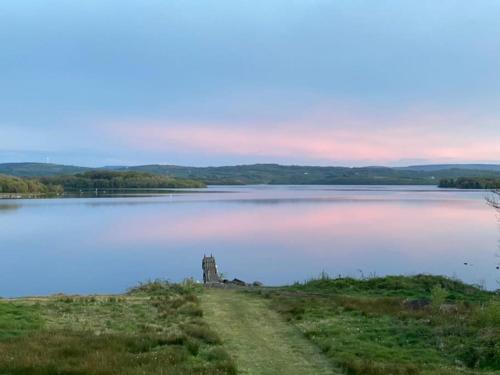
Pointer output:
x,y
255,164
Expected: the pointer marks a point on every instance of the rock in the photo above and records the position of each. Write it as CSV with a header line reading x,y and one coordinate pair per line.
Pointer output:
x,y
257,283
238,282
212,278
234,282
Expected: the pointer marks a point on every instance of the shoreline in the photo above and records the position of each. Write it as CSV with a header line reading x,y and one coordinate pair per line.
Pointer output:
x,y
249,287
138,192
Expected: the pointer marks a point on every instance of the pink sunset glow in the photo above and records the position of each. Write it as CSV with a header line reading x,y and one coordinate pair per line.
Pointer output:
x,y
335,138
303,82
381,221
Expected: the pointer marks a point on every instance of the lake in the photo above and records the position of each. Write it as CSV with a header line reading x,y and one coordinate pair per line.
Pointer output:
x,y
273,234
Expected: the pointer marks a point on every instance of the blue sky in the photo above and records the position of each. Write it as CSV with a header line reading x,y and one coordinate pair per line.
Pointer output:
x,y
225,82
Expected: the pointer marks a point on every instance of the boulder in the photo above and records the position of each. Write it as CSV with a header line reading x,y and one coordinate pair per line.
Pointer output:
x,y
238,282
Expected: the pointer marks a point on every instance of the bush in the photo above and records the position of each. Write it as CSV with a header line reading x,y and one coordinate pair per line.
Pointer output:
x,y
489,315
438,296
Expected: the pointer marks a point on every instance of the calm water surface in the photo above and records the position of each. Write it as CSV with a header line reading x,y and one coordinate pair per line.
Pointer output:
x,y
274,234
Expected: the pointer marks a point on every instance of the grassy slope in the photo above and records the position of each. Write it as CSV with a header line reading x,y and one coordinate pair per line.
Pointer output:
x,y
369,326
360,326
258,339
157,329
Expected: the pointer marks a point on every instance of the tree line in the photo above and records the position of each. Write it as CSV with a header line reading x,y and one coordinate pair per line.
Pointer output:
x,y
17,185
470,183
92,180
118,180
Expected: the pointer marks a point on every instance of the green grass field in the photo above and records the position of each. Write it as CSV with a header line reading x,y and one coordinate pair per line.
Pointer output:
x,y
396,325
156,328
259,340
389,325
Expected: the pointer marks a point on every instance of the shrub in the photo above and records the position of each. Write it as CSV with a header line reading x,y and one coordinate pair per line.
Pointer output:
x,y
438,296
489,315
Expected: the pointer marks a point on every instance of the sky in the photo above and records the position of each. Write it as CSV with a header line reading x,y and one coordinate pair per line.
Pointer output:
x,y
194,82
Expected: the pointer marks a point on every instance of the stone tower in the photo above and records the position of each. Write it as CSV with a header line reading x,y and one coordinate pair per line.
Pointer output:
x,y
210,274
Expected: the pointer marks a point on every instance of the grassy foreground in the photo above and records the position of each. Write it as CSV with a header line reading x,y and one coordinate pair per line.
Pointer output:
x,y
396,325
389,325
157,328
258,339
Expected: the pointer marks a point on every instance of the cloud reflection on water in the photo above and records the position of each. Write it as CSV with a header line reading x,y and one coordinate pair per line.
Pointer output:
x,y
274,234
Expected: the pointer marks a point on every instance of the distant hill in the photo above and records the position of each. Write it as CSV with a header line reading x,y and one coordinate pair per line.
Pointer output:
x,y
280,174
39,169
440,167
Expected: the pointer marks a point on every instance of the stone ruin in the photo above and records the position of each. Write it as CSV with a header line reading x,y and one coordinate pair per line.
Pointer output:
x,y
211,276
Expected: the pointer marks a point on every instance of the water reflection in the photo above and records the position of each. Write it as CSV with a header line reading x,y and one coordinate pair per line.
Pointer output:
x,y
5,207
273,234
341,219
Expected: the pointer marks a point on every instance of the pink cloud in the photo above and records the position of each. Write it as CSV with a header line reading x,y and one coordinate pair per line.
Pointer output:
x,y
333,137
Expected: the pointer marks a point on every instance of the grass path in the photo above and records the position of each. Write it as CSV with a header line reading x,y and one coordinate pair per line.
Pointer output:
x,y
258,339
